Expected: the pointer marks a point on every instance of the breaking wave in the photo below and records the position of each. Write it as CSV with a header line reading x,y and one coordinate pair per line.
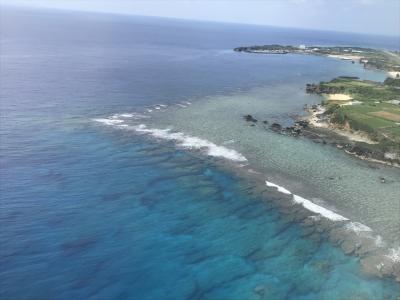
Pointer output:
x,y
181,139
326,213
358,227
279,188
192,142
109,121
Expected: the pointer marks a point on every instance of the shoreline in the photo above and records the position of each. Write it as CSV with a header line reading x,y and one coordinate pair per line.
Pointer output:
x,y
336,125
344,139
368,57
318,125
316,128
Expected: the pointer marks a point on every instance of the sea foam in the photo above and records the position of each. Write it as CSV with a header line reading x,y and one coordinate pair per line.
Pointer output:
x,y
358,227
111,121
192,142
318,209
135,116
326,213
279,188
180,138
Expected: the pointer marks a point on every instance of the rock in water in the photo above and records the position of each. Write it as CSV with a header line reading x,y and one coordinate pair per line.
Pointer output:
x,y
250,118
276,127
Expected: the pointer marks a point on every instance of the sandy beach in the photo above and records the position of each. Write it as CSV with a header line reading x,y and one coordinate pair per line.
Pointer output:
x,y
338,97
346,57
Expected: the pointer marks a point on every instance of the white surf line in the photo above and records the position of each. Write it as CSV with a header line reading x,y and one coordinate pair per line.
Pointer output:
x,y
279,188
192,142
319,209
134,115
109,121
123,115
180,138
326,213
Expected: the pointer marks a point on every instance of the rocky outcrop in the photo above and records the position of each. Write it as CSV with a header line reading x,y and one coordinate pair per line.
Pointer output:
x,y
276,127
250,118
294,130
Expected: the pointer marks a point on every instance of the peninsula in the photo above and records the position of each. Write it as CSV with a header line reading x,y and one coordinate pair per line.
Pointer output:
x,y
370,58
366,112
361,117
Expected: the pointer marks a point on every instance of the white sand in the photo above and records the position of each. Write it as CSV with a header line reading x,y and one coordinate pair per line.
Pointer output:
x,y
338,97
394,74
345,57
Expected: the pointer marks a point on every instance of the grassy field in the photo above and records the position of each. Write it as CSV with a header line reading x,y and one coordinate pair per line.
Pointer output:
x,y
369,110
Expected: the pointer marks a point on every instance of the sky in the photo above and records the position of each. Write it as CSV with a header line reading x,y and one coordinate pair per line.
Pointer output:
x,y
362,16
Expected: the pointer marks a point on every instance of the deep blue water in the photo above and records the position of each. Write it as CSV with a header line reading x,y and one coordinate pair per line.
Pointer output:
x,y
91,213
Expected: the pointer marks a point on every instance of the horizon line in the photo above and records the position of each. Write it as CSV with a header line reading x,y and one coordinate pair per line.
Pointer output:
x,y
47,8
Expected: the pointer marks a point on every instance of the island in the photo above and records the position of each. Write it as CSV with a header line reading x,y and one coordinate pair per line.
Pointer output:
x,y
369,58
362,117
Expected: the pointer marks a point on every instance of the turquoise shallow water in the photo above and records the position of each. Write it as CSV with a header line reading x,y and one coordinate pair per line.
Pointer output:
x,y
93,212
326,175
140,221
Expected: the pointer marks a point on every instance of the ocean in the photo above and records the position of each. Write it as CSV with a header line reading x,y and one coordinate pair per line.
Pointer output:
x,y
127,171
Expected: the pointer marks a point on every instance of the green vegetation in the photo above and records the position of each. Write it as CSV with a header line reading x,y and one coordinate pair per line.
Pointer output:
x,y
365,91
392,82
370,58
374,108
351,103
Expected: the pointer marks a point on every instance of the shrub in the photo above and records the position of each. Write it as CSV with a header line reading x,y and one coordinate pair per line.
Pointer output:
x,y
339,116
